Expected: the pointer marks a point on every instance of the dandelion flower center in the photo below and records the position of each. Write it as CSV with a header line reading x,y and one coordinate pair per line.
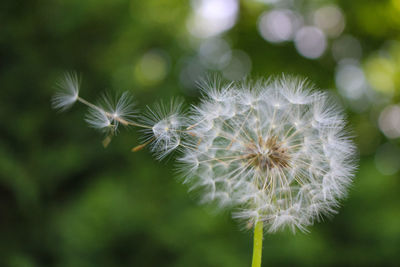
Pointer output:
x,y
267,154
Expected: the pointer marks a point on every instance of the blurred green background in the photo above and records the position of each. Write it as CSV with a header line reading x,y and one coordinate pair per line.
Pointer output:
x,y
67,201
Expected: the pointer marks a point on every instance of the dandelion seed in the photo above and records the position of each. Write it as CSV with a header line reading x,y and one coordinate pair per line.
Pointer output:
x,y
111,112
282,156
165,124
67,91
98,119
120,110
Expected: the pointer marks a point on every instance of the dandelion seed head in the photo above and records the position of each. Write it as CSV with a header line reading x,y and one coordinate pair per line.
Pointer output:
x,y
67,91
275,151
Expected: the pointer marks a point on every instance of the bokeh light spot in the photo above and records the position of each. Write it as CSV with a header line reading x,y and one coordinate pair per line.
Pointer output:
x,y
310,42
389,121
212,17
346,46
350,79
330,19
380,72
152,68
278,25
215,53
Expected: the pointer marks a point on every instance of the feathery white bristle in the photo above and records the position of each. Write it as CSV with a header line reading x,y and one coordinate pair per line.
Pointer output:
x,y
165,123
97,118
67,91
119,108
111,112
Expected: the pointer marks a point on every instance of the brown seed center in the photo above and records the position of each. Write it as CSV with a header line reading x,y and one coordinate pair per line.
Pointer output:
x,y
268,154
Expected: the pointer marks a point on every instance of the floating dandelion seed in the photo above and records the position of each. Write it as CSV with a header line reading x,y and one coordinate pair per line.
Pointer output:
x,y
165,125
98,119
277,152
67,91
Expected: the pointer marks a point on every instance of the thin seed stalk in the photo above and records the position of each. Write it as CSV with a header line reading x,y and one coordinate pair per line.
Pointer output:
x,y
257,245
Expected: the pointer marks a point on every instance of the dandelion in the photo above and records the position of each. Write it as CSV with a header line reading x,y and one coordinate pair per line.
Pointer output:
x,y
276,152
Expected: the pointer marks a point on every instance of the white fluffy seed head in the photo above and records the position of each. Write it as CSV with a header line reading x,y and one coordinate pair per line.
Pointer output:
x,y
67,91
276,151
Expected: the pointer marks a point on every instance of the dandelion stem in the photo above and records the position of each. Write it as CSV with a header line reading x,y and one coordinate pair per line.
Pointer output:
x,y
257,247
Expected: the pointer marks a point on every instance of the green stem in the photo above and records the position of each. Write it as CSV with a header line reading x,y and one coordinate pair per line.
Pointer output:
x,y
257,247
